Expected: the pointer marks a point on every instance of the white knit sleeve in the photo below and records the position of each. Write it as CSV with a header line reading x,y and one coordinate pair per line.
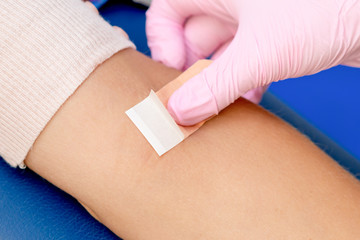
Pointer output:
x,y
47,49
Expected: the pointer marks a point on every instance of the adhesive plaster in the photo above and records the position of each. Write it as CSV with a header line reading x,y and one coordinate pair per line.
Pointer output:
x,y
153,120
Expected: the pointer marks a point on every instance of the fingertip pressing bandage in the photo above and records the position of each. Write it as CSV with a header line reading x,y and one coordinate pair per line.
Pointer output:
x,y
153,120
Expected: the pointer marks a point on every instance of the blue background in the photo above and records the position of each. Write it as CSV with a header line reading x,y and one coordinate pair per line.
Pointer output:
x,y
328,100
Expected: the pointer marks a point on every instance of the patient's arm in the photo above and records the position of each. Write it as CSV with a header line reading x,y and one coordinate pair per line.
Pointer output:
x,y
244,175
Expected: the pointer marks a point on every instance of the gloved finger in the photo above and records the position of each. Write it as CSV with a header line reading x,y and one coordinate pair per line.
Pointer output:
x,y
255,95
203,36
165,32
221,50
217,86
352,61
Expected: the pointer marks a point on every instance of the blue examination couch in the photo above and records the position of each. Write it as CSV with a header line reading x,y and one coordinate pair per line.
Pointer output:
x,y
325,107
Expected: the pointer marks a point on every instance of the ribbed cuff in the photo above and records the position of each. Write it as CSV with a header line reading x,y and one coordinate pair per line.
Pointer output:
x,y
47,49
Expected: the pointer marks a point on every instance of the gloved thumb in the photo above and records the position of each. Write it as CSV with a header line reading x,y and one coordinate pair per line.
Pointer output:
x,y
210,91
193,101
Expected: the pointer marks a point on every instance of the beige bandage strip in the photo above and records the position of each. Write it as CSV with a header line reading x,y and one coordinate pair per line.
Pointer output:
x,y
153,120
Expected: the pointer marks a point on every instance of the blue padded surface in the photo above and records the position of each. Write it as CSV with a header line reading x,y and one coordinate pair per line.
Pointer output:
x,y
330,101
130,17
31,208
346,160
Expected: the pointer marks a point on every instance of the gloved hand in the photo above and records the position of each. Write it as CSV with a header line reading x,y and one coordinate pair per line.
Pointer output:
x,y
269,40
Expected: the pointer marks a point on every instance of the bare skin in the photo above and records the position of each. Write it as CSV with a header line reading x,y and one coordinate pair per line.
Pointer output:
x,y
244,175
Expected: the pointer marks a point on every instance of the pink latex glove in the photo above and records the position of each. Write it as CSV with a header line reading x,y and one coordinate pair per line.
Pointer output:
x,y
270,40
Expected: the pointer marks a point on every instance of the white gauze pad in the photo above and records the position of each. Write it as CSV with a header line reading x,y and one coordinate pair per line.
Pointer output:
x,y
156,124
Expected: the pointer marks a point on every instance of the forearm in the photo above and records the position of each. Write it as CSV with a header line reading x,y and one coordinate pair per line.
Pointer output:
x,y
88,132
244,175
47,49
